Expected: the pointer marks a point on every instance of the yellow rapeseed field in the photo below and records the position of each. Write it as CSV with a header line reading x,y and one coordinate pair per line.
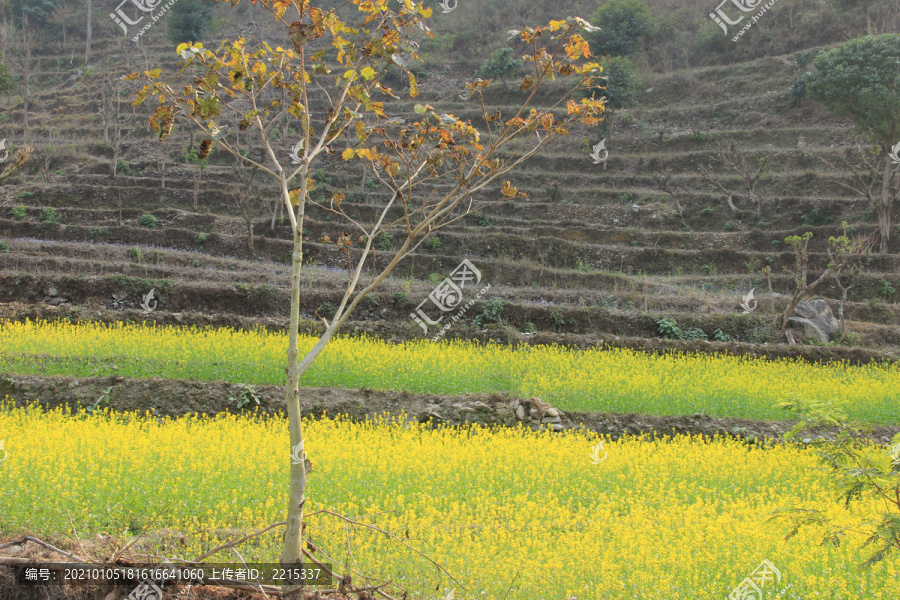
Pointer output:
x,y
591,380
509,513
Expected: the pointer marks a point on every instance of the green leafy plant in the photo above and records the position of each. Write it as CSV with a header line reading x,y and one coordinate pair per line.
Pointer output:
x,y
483,221
48,215
500,64
148,221
384,241
492,313
134,253
19,212
246,395
195,263
707,211
859,470
102,399
201,238
4,247
669,329
887,290
529,328
433,243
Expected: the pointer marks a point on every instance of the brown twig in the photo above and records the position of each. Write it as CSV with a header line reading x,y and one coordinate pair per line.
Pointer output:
x,y
236,542
28,538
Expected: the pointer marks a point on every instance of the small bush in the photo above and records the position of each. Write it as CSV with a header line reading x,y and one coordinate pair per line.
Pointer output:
x,y
435,278
48,215
887,290
202,238
707,211
492,313
19,212
195,263
669,329
267,291
148,221
433,244
385,240
134,253
4,247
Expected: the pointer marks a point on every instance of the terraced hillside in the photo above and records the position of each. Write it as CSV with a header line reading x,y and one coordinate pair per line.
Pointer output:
x,y
595,254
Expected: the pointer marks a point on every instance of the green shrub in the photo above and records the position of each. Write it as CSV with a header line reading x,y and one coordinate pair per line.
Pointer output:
x,y
4,247
492,313
19,212
384,242
623,25
135,253
202,238
500,64
669,329
195,263
148,221
48,215
433,244
887,290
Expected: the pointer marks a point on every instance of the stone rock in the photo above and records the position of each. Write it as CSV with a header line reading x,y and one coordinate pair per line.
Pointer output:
x,y
551,412
556,426
57,301
514,404
520,412
481,406
551,420
635,208
52,291
456,405
466,409
817,319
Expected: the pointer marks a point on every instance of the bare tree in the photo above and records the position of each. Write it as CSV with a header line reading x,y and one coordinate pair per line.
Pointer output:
x,y
246,195
118,115
842,252
729,158
871,177
665,185
410,161
89,33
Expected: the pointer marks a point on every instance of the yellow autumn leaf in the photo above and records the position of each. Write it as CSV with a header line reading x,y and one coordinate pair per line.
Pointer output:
x,y
368,73
347,154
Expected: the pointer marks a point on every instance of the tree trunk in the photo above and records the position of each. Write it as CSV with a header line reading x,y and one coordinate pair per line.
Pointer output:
x,y
87,45
887,204
250,233
197,176
293,535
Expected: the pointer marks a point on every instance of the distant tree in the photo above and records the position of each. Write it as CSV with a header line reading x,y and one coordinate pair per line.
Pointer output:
x,y
500,64
623,25
189,21
861,80
7,83
620,84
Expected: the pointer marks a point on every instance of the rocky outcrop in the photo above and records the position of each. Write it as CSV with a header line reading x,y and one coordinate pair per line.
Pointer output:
x,y
817,320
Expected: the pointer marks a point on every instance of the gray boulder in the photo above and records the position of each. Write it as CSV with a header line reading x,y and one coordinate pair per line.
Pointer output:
x,y
816,318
